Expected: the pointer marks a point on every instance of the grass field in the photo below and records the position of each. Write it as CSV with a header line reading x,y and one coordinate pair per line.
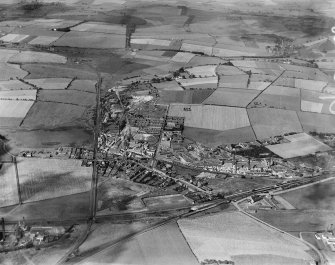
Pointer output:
x,y
319,196
227,236
210,117
8,188
268,122
234,97
207,50
37,57
91,40
47,115
312,101
168,201
228,70
75,97
258,85
313,85
211,82
300,145
164,245
49,178
213,138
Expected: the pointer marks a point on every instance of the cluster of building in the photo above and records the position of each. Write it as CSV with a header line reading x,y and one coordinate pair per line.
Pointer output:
x,y
21,235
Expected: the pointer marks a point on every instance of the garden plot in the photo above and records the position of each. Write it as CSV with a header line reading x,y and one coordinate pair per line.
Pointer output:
x,y
18,95
182,57
268,122
14,85
13,38
49,83
36,57
210,117
234,97
202,71
300,144
206,82
42,179
234,236
92,40
100,27
43,40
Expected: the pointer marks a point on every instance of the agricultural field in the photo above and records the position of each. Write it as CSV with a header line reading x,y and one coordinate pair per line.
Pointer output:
x,y
18,95
214,138
78,98
300,144
100,28
21,139
317,102
234,81
150,249
39,71
15,108
210,117
206,82
83,85
268,122
48,115
14,38
8,188
236,237
234,97
49,83
202,71
182,57
185,96
196,48
258,85
11,71
25,57
228,70
50,178
169,86
91,40
313,85
318,196
155,42
315,122
279,97
167,201
43,40
14,85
